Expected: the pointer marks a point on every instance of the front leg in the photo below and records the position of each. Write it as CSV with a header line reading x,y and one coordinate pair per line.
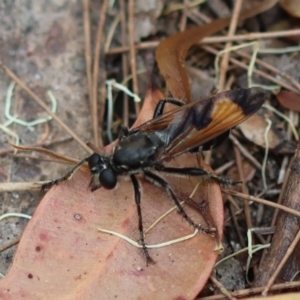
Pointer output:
x,y
68,176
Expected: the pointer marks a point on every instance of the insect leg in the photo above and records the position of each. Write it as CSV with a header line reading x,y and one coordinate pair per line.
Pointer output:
x,y
160,181
202,207
137,198
196,172
68,176
161,104
124,132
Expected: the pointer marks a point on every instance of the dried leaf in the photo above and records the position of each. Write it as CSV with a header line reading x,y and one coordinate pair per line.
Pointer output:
x,y
289,100
254,130
62,255
291,6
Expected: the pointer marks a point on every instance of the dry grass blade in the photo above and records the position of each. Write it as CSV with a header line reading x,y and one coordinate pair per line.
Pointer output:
x,y
98,68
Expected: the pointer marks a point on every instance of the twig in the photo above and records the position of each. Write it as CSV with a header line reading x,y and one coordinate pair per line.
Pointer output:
x,y
216,39
132,52
265,160
183,21
225,60
281,264
10,244
46,134
221,288
96,69
244,187
125,120
88,50
44,143
245,152
263,201
237,228
254,291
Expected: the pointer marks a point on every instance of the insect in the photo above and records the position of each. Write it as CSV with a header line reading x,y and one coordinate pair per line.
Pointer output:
x,y
187,128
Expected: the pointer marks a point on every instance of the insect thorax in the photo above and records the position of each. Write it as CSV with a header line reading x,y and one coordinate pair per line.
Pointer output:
x,y
137,150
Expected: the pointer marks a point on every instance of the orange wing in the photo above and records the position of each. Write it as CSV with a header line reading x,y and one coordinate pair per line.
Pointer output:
x,y
190,126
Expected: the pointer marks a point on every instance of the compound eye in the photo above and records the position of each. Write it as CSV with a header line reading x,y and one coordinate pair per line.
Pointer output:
x,y
108,179
94,159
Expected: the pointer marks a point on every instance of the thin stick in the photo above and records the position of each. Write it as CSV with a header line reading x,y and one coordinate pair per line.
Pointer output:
x,y
88,50
221,288
216,39
125,119
271,68
282,263
99,39
245,152
247,208
10,244
44,143
183,21
280,198
225,60
254,291
265,160
263,201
